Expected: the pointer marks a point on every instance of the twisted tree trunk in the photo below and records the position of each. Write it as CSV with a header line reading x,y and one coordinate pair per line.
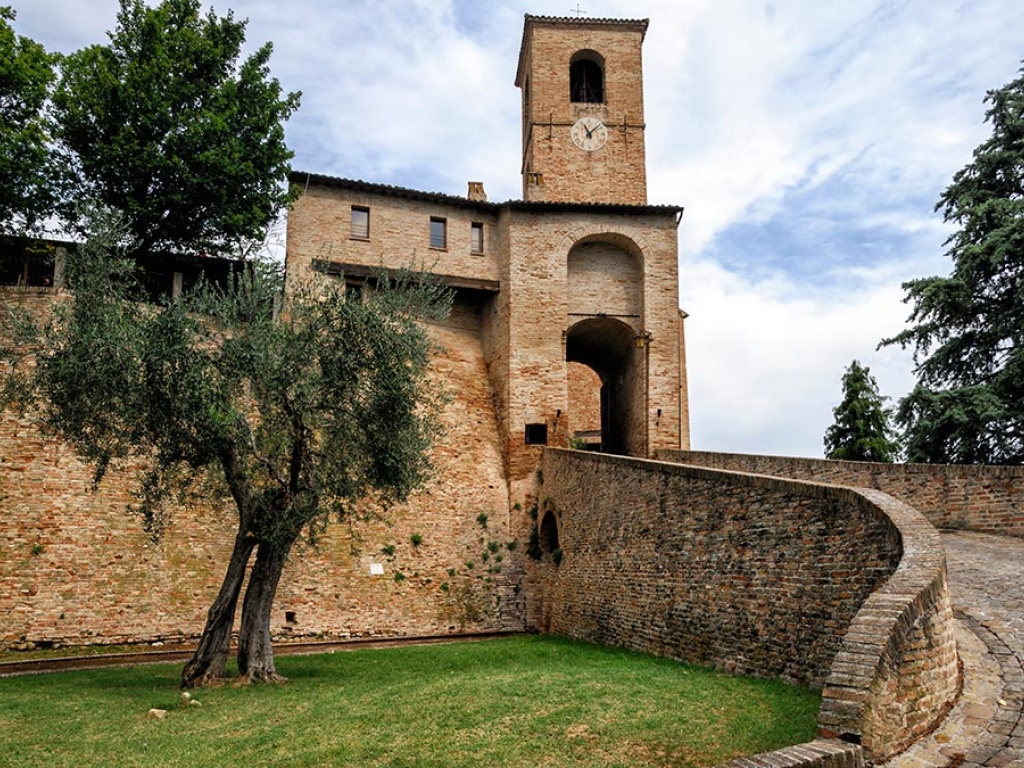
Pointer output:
x,y
210,658
255,652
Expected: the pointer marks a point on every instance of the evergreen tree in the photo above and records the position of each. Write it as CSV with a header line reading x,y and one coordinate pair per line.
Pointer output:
x,y
862,430
28,167
968,328
169,125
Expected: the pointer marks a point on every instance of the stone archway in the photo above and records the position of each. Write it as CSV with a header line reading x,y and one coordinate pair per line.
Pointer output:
x,y
609,348
605,291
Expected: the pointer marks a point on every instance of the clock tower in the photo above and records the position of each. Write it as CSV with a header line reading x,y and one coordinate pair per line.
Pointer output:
x,y
583,110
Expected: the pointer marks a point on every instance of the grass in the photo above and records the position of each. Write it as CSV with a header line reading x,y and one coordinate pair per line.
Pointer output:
x,y
524,701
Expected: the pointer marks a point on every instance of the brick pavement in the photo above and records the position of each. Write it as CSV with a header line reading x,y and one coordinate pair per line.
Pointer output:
x,y
986,728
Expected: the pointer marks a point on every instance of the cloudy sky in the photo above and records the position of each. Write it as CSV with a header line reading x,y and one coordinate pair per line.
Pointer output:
x,y
808,140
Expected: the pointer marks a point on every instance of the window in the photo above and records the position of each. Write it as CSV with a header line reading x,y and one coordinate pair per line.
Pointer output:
x,y
360,222
476,237
438,232
536,434
586,78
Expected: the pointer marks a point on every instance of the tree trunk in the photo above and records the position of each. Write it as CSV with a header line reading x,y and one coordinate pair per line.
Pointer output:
x,y
210,658
255,652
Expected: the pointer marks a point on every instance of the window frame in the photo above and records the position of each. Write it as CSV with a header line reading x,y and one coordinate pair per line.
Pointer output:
x,y
579,64
476,238
443,222
362,233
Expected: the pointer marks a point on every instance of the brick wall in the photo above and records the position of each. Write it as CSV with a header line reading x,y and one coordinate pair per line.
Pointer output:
x,y
616,173
987,499
754,575
584,398
319,227
76,567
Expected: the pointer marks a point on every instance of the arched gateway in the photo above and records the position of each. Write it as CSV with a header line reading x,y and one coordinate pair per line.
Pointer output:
x,y
606,334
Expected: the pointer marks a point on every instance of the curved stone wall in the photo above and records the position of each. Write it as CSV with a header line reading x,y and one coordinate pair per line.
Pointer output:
x,y
986,499
815,584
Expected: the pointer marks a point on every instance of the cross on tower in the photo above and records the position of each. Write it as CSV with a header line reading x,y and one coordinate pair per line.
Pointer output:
x,y
578,11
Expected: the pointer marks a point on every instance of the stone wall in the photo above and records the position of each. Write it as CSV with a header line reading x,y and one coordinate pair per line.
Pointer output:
x,y
615,173
319,228
986,499
754,575
77,568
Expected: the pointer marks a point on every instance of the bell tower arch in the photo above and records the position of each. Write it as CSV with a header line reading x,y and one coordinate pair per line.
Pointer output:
x,y
583,110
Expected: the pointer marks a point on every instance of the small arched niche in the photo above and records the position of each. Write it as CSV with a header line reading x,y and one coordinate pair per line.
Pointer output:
x,y
549,533
586,78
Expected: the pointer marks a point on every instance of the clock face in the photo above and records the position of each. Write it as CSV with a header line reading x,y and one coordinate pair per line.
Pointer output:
x,y
589,133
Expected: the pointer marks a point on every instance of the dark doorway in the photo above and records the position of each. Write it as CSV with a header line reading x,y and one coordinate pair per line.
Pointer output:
x,y
608,347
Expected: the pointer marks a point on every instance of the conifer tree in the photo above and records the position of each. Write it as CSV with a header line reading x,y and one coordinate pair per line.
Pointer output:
x,y
862,429
967,329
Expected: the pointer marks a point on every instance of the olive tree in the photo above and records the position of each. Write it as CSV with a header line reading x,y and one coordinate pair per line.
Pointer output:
x,y
303,408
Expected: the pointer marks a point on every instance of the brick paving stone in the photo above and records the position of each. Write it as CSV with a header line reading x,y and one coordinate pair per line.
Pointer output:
x,y
986,727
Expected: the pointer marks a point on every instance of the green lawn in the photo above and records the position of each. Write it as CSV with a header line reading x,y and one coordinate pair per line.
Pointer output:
x,y
523,701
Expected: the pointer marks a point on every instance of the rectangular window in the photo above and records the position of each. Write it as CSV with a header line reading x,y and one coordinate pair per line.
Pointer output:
x,y
360,222
536,434
476,237
438,232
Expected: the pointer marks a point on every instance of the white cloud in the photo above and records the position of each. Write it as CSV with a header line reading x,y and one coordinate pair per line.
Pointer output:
x,y
808,141
765,360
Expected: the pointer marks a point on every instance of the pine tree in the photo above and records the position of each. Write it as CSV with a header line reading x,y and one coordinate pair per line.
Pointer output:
x,y
968,328
862,430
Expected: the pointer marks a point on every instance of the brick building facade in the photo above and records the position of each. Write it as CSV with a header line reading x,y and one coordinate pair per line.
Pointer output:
x,y
575,286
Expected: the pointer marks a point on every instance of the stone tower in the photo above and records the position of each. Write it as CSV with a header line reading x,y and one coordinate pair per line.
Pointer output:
x,y
583,110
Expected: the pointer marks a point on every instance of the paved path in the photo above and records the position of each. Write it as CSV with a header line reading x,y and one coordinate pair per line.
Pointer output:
x,y
986,728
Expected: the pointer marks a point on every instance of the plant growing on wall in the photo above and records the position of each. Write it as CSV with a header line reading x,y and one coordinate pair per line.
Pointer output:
x,y
301,416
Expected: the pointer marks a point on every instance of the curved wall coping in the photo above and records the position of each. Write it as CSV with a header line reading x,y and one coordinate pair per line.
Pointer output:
x,y
963,470
914,588
977,497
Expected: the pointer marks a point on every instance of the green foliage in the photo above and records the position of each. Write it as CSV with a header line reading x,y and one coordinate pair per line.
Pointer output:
x,y
967,329
416,539
299,415
388,550
557,555
482,519
28,166
862,430
533,545
170,125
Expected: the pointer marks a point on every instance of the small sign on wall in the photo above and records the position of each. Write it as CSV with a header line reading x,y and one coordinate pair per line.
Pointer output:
x,y
376,569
